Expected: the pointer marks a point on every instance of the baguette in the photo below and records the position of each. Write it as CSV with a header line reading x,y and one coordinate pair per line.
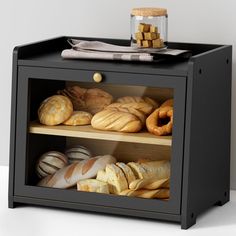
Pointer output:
x,y
70,175
116,121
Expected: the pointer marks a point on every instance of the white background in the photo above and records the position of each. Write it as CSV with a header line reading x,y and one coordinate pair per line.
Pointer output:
x,y
205,21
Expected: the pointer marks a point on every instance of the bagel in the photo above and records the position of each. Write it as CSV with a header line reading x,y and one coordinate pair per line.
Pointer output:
x,y
154,121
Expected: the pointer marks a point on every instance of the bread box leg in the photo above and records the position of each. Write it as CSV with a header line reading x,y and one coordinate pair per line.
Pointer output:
x,y
188,220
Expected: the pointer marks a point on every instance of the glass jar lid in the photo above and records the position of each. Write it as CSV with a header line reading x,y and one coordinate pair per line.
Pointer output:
x,y
146,11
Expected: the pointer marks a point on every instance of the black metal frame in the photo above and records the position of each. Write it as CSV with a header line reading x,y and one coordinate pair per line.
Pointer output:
x,y
199,154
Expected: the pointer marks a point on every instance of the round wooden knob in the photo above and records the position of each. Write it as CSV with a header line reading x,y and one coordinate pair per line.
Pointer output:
x,y
97,77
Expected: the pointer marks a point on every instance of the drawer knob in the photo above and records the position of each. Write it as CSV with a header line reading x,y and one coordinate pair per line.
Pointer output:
x,y
97,77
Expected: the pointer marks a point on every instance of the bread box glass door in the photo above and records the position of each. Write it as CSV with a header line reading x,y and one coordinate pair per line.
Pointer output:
x,y
116,143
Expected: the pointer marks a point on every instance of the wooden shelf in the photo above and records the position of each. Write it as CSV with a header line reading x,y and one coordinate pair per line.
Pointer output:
x,y
91,133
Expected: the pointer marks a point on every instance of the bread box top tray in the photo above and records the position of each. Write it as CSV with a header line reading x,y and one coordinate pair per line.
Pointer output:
x,y
48,54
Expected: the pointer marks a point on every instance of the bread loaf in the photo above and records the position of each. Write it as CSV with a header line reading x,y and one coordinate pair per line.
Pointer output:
x,y
50,162
137,113
70,175
146,170
128,99
92,185
141,106
79,118
77,153
116,121
91,100
168,103
55,110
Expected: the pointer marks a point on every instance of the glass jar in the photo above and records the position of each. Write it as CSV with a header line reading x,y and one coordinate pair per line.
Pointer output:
x,y
149,27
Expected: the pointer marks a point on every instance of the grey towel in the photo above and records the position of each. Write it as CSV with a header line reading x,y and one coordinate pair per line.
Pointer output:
x,y
98,50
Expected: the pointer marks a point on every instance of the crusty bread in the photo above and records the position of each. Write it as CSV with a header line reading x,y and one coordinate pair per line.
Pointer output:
x,y
153,122
141,106
92,185
128,99
116,121
129,175
168,103
70,175
131,110
91,100
146,170
55,110
116,179
77,153
79,118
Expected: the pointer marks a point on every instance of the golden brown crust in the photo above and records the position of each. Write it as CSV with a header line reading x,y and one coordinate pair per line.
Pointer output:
x,y
55,110
79,118
168,103
154,119
91,100
116,121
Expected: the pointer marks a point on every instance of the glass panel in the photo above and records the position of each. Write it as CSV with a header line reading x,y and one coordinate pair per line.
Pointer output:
x,y
118,143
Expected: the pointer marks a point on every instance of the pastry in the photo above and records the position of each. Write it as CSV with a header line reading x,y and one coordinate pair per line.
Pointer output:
x,y
116,121
141,106
156,122
149,183
50,162
79,118
77,153
116,179
129,175
92,185
91,100
55,110
70,175
146,170
168,103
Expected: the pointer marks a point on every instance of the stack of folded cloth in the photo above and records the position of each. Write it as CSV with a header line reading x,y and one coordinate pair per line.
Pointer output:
x,y
99,50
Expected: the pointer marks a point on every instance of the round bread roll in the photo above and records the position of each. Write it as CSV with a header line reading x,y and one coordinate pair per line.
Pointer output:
x,y
77,153
79,118
50,162
55,110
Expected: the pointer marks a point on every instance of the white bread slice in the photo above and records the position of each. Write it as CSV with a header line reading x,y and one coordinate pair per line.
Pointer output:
x,y
130,177
116,179
92,185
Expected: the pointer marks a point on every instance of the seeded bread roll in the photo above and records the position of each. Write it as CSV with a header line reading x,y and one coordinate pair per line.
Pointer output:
x,y
92,185
50,162
68,176
79,118
55,110
116,121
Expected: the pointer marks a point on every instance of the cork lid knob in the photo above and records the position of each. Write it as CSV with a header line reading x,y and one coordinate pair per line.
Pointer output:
x,y
146,11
